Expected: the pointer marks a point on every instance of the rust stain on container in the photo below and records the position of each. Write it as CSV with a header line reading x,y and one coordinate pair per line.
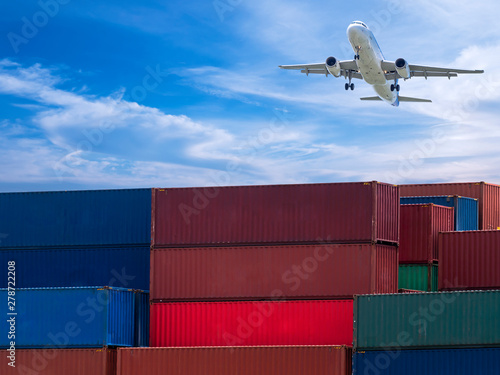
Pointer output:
x,y
469,260
420,225
254,272
262,360
278,214
64,362
488,196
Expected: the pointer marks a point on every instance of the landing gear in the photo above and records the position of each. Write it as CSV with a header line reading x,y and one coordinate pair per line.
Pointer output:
x,y
395,87
349,85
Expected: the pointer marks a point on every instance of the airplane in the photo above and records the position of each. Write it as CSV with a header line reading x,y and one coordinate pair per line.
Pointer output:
x,y
370,65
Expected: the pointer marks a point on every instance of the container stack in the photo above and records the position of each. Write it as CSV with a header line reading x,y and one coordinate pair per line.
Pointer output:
x,y
80,262
427,333
455,330
266,272
487,195
418,251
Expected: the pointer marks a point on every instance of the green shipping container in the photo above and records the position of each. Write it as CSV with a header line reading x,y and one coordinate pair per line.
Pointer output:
x,y
418,277
427,320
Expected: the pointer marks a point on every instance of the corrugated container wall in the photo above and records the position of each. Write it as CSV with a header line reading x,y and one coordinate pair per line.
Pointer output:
x,y
72,317
251,323
466,209
488,196
275,360
469,260
63,362
427,320
420,225
254,272
482,361
126,267
277,214
422,277
75,218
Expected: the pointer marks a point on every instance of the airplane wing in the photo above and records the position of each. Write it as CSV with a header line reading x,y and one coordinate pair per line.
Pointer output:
x,y
425,71
346,66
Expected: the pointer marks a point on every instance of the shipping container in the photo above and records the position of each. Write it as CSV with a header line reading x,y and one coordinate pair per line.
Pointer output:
x,y
427,320
123,266
277,214
72,317
261,360
254,272
75,218
420,225
466,209
469,260
422,277
63,362
488,196
141,318
251,323
483,361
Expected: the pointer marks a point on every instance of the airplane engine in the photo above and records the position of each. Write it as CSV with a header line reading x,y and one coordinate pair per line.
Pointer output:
x,y
402,68
333,66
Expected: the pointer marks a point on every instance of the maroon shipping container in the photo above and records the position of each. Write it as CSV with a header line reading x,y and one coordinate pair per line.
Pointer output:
x,y
278,214
251,323
62,362
488,196
469,260
420,225
255,272
257,360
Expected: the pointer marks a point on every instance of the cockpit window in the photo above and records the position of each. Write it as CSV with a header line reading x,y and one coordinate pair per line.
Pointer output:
x,y
360,23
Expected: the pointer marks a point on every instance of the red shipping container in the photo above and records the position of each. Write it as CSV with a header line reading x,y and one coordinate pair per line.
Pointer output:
x,y
251,323
488,196
255,272
279,214
257,360
62,362
420,225
469,260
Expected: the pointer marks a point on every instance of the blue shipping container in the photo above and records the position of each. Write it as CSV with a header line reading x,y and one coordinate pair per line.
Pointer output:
x,y
73,317
75,218
484,361
124,267
142,317
466,209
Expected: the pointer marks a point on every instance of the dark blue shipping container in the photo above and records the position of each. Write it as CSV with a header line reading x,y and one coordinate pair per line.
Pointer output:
x,y
75,218
484,361
73,317
124,267
142,319
466,209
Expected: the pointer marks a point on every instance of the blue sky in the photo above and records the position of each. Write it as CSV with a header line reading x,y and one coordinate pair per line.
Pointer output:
x,y
123,93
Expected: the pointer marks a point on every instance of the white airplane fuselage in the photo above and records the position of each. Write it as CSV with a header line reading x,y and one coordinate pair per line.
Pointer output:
x,y
369,62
